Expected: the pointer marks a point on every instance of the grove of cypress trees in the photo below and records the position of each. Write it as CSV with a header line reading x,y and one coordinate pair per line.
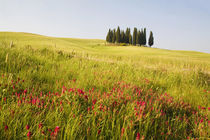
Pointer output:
x,y
121,36
118,35
151,39
134,36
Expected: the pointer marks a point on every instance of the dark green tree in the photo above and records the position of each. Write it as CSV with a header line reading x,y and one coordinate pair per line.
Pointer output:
x,y
130,39
127,35
118,37
123,37
108,36
141,37
138,38
151,39
134,36
114,36
144,42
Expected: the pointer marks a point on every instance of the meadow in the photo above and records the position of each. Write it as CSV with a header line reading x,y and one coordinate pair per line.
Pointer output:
x,y
65,88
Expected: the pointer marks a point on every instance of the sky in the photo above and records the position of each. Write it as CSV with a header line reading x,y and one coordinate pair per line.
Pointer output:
x,y
176,24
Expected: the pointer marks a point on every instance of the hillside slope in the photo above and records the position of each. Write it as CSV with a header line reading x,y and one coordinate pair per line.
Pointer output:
x,y
178,72
63,88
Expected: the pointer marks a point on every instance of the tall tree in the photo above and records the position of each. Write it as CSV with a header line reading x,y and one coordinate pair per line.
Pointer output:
x,y
114,36
130,39
127,34
118,35
123,37
108,36
141,37
151,39
134,36
144,37
138,37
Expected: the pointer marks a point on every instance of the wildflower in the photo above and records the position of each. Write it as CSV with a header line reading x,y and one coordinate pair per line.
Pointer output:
x,y
122,131
99,131
25,91
52,134
56,129
29,134
6,127
138,136
27,127
40,125
94,101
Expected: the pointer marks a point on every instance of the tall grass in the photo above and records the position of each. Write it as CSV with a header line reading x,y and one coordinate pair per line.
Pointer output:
x,y
171,88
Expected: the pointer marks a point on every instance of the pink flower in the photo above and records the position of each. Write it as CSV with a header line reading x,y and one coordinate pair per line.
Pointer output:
x,y
122,131
6,127
94,101
56,129
27,127
99,131
29,134
138,136
40,125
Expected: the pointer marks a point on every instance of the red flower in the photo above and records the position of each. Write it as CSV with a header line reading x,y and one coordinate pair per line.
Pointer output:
x,y
94,101
56,129
122,131
138,136
29,134
99,131
40,125
27,127
25,91
52,134
6,128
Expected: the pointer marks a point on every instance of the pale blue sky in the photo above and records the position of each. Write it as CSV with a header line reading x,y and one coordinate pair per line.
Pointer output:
x,y
176,24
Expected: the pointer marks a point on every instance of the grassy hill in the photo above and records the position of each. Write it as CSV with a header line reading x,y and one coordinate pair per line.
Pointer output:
x,y
48,64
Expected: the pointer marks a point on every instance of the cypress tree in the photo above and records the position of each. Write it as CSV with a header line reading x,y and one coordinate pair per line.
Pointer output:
x,y
151,39
127,34
134,36
118,35
108,36
123,38
141,37
144,37
130,39
138,38
114,36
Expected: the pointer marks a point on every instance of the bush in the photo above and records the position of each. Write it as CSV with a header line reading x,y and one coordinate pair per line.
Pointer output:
x,y
123,44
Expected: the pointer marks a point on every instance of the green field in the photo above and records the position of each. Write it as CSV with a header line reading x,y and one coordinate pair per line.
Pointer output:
x,y
93,90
